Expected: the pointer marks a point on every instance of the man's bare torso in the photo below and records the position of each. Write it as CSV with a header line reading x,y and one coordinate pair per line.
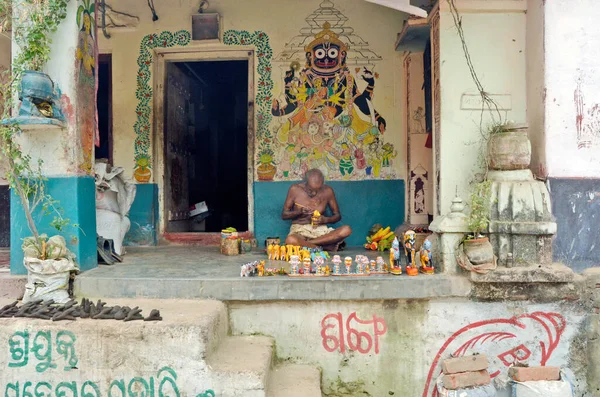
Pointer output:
x,y
319,202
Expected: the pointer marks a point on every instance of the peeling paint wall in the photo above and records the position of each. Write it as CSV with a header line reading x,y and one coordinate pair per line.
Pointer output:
x,y
573,89
394,348
5,58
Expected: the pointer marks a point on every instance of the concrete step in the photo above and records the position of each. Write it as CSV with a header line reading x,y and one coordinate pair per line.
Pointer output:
x,y
136,355
11,287
241,365
293,380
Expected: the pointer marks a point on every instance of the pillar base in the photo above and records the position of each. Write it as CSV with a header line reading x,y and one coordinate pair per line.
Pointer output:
x,y
77,197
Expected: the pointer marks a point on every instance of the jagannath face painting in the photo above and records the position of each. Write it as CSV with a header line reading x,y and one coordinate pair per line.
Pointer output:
x,y
323,107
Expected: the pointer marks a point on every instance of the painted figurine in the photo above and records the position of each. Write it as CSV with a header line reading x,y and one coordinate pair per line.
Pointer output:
x,y
306,265
337,261
270,251
290,251
381,266
261,268
409,252
319,262
372,266
427,266
359,265
283,255
276,252
304,254
348,264
294,264
395,266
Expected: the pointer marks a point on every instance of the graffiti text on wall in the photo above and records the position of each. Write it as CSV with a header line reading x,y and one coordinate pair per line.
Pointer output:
x,y
532,337
353,334
41,347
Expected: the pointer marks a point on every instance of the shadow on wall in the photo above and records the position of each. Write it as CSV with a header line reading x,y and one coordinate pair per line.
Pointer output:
x,y
362,204
576,206
4,216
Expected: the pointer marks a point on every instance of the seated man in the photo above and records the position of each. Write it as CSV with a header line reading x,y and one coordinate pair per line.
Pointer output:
x,y
301,202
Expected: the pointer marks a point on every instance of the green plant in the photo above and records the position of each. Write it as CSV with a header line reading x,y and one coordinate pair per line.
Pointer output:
x,y
479,219
33,23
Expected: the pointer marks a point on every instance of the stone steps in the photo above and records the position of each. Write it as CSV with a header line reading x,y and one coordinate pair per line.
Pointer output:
x,y
293,380
241,366
190,350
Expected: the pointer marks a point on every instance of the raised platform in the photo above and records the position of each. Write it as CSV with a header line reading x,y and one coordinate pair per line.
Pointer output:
x,y
203,273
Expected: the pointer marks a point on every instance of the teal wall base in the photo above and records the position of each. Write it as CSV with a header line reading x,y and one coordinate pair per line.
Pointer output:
x,y
77,197
144,217
362,204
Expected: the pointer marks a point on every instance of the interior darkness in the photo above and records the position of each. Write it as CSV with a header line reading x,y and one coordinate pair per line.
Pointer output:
x,y
104,116
218,173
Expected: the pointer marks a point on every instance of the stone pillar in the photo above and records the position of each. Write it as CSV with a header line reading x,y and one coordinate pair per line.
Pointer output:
x,y
66,147
450,230
593,334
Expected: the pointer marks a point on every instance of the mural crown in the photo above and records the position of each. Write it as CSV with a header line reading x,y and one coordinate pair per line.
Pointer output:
x,y
326,36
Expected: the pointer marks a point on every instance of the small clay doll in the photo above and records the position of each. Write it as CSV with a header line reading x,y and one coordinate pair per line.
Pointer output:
x,y
319,262
395,267
426,258
261,269
283,255
294,264
307,266
348,264
275,252
380,265
270,251
409,252
337,261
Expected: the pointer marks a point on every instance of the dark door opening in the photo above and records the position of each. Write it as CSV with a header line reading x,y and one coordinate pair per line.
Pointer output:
x,y
206,145
104,106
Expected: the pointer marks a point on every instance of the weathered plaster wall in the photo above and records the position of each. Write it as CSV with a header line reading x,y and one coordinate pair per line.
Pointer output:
x,y
376,25
572,89
496,43
381,348
536,93
5,58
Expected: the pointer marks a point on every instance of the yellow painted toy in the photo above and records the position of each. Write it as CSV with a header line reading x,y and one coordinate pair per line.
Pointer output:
x,y
270,251
283,255
275,252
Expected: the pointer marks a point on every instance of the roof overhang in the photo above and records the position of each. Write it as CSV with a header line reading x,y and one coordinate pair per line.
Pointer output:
x,y
401,5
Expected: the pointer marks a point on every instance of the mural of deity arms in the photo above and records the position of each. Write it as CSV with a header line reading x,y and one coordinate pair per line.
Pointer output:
x,y
361,100
291,94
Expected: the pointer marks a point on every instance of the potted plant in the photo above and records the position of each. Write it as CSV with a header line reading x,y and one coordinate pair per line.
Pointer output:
x,y
266,168
143,170
509,147
32,24
48,261
477,247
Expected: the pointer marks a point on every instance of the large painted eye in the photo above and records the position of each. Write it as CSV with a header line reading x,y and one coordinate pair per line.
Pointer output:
x,y
320,53
333,53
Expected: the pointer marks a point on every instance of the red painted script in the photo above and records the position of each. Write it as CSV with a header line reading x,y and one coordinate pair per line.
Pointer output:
x,y
347,336
530,337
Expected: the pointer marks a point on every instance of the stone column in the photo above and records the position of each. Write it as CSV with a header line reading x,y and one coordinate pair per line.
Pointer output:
x,y
593,334
66,147
450,230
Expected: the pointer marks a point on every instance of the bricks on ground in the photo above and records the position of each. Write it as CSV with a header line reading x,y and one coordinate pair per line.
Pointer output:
x,y
528,374
465,372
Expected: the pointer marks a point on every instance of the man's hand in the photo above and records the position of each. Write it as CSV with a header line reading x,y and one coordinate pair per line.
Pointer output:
x,y
321,220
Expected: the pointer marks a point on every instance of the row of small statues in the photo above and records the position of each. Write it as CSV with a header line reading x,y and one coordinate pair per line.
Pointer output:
x,y
276,252
425,256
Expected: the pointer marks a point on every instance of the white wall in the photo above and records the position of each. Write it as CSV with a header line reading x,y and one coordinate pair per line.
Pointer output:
x,y
572,88
497,43
411,335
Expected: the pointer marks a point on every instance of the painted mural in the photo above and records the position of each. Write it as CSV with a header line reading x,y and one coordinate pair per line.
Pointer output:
x,y
530,337
86,69
325,116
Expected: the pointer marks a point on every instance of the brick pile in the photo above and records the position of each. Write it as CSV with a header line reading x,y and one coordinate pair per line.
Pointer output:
x,y
465,372
532,374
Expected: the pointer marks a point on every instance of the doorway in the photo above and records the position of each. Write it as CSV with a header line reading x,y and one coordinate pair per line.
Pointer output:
x,y
206,145
104,107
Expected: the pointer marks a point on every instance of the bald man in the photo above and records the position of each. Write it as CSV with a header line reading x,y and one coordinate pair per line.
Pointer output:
x,y
301,202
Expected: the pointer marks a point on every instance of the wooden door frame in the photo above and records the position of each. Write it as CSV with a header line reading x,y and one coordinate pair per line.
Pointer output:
x,y
191,54
107,58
